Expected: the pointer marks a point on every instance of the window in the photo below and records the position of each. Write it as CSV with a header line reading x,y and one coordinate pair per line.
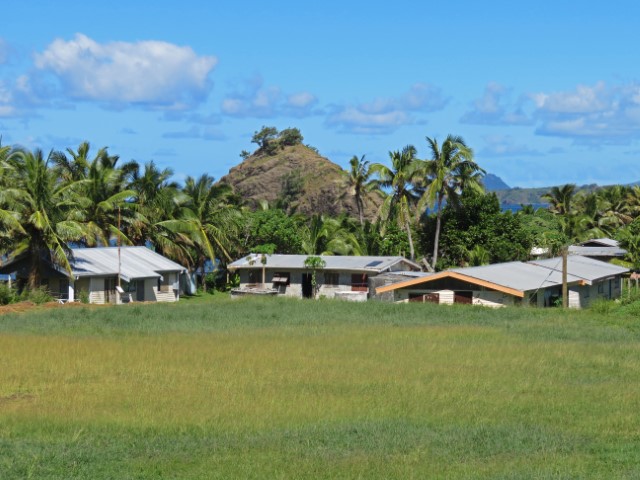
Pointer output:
x,y
331,279
601,287
616,282
359,282
282,278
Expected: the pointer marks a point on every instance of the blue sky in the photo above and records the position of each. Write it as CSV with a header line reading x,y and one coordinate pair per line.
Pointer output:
x,y
544,92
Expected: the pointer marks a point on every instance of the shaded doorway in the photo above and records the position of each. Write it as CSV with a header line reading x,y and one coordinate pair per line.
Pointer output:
x,y
307,287
139,290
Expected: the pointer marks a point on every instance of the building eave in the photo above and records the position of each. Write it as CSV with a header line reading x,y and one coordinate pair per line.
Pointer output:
x,y
455,275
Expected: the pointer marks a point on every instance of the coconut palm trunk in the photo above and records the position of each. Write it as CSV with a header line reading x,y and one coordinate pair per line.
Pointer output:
x,y
436,240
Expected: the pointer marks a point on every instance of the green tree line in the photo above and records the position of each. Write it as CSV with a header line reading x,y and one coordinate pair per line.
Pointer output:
x,y
434,211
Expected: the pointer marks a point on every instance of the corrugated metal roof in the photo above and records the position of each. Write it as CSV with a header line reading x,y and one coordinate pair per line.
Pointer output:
x,y
136,262
605,242
583,267
529,276
517,275
333,262
597,251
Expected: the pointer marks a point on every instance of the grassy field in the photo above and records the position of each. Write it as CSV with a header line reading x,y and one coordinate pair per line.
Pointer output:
x,y
274,388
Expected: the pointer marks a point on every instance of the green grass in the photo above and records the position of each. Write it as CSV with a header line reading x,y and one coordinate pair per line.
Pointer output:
x,y
276,388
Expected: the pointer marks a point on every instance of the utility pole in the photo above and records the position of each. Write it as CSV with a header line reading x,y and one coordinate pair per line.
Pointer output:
x,y
565,292
119,257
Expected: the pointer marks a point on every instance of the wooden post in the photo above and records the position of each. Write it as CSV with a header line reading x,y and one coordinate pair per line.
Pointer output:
x,y
119,257
565,292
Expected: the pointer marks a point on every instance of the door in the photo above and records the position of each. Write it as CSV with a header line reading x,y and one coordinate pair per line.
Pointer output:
x,y
463,297
139,290
307,287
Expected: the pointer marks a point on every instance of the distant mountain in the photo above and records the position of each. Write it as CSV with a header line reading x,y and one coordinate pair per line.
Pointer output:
x,y
299,179
531,196
492,183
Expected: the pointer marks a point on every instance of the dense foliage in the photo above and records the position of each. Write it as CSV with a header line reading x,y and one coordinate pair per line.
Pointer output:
x,y
434,210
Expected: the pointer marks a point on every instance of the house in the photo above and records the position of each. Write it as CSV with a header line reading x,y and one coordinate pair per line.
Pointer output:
x,y
605,249
144,275
537,283
341,277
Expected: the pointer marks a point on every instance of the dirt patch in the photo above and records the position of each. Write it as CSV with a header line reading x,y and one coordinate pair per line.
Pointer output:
x,y
15,397
21,307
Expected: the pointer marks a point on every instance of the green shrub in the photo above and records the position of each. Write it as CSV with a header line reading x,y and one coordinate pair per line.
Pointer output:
x,y
630,296
83,296
7,294
38,296
602,306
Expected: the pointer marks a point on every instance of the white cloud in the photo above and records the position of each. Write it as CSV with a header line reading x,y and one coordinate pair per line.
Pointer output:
x,y
584,100
256,100
301,100
385,115
494,108
355,120
7,108
505,146
207,133
591,114
149,73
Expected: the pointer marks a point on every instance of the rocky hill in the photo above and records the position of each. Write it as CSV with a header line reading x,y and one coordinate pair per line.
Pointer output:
x,y
297,179
492,183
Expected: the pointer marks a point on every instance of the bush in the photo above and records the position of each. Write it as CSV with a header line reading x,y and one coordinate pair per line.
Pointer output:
x,y
7,294
38,296
602,306
83,296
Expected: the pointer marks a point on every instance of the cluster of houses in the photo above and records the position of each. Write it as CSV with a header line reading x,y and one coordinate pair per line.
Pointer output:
x,y
137,274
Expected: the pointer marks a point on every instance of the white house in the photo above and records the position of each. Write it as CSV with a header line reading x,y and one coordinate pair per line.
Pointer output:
x,y
144,275
342,276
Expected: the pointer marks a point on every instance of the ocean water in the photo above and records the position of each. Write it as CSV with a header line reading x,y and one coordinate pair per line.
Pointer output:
x,y
515,207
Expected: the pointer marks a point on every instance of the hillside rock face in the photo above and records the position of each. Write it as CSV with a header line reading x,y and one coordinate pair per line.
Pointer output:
x,y
300,180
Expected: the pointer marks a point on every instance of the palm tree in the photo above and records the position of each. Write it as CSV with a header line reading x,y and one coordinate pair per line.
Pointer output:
x,y
401,178
561,203
328,236
359,182
450,170
561,199
105,201
45,212
209,220
159,200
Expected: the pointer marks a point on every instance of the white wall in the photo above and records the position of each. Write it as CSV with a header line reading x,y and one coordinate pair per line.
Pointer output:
x,y
294,289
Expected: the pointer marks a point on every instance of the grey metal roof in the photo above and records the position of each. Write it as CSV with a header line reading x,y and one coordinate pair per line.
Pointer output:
x,y
597,251
136,262
333,262
517,275
584,268
603,242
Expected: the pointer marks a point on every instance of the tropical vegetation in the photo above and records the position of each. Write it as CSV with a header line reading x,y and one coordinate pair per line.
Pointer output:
x,y
433,210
